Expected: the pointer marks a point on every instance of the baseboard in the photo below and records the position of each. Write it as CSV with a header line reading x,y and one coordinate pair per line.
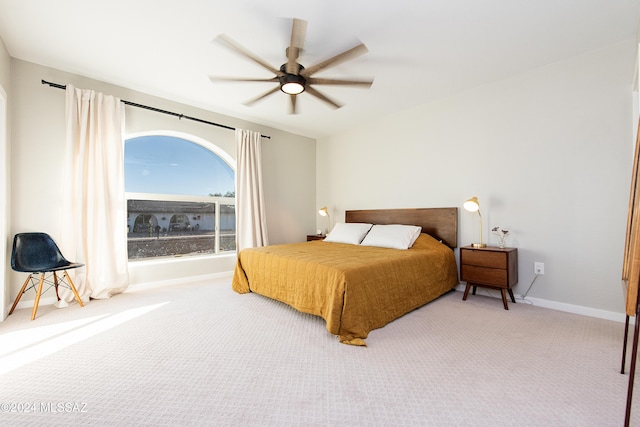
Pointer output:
x,y
539,302
179,281
554,305
28,303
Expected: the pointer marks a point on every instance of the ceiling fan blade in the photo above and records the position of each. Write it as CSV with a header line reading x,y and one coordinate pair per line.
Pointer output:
x,y
241,50
298,34
320,81
241,79
259,97
292,106
354,52
322,97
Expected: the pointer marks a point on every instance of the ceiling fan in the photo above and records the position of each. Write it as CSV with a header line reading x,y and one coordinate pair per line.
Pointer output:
x,y
292,78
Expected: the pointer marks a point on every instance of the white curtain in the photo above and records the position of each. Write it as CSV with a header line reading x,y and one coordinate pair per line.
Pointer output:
x,y
251,223
94,205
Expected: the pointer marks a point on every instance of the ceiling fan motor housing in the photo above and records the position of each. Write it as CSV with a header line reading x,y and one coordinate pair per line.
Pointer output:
x,y
292,84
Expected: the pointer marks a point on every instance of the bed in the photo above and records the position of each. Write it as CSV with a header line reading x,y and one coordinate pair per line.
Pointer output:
x,y
356,288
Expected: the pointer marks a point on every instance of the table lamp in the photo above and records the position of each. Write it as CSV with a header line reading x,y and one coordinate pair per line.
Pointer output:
x,y
325,212
472,205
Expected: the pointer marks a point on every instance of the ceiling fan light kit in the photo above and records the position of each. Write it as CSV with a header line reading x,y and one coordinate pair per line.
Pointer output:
x,y
294,79
291,84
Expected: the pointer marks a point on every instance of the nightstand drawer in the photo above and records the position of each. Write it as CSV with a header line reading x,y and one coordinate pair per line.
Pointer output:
x,y
485,258
484,275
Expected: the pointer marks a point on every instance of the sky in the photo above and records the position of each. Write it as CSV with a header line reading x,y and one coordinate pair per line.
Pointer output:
x,y
171,165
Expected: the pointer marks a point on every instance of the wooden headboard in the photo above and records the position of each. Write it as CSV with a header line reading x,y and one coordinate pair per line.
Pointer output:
x,y
441,223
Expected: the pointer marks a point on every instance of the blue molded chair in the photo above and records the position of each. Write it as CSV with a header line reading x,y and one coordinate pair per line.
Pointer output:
x,y
37,253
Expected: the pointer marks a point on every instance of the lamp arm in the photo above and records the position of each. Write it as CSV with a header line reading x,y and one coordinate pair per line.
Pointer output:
x,y
480,215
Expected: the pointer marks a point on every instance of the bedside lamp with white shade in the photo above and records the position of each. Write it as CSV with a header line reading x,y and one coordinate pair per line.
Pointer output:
x,y
473,205
325,212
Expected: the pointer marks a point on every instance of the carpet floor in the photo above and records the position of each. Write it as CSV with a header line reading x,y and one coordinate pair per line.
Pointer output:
x,y
199,354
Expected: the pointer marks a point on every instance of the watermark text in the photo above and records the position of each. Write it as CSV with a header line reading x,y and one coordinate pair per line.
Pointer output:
x,y
43,407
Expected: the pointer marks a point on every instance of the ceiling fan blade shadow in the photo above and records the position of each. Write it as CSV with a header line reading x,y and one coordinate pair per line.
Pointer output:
x,y
292,105
322,97
241,79
321,81
298,34
248,54
352,53
259,97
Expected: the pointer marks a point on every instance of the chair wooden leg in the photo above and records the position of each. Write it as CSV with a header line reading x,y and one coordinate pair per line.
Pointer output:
x,y
73,288
37,301
55,284
15,303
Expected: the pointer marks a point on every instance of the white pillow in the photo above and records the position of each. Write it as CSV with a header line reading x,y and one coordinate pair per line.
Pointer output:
x,y
352,232
393,236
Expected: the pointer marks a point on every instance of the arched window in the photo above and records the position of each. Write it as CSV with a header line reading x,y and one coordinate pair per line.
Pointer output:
x,y
180,196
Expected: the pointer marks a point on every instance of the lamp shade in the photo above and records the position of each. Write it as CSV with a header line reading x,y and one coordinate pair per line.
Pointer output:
x,y
472,205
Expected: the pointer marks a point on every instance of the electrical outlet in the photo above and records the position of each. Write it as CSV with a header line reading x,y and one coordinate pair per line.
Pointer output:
x,y
538,267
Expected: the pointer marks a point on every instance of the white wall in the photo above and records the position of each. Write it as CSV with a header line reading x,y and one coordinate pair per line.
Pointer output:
x,y
548,153
5,239
39,137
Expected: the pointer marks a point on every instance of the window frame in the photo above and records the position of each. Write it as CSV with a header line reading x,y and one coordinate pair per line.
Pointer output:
x,y
217,200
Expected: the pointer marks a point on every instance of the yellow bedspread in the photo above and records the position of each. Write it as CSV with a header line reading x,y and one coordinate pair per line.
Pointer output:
x,y
355,289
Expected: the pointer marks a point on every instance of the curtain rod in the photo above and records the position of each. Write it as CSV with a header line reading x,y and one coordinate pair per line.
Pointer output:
x,y
157,110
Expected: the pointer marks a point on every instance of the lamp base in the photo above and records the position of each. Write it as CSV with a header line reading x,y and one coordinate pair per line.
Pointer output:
x,y
478,245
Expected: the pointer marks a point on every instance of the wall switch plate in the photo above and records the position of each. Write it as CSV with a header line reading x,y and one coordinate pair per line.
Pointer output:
x,y
538,267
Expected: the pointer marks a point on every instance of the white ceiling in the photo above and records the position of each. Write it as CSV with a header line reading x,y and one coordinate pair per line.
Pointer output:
x,y
419,50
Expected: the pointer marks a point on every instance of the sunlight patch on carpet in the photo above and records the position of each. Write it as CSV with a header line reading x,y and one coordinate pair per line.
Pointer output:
x,y
25,346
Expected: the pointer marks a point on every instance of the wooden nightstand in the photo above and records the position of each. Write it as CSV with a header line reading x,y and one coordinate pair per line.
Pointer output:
x,y
311,237
489,267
